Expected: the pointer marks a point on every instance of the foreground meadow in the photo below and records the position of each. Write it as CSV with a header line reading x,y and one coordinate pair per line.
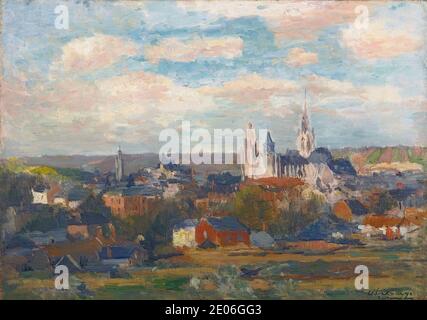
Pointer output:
x,y
396,271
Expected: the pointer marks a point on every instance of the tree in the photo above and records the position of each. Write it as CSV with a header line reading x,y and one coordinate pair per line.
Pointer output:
x,y
95,204
167,215
300,207
252,209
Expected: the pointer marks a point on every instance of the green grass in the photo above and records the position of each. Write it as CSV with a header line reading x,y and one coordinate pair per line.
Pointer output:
x,y
172,283
122,292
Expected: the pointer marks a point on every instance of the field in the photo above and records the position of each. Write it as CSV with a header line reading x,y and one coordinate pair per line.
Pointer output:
x,y
396,271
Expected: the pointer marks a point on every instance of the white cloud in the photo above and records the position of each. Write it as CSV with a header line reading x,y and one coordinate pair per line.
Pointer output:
x,y
185,51
92,53
379,42
298,57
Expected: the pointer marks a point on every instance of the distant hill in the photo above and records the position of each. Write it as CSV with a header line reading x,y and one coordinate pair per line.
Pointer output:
x,y
398,158
365,160
133,162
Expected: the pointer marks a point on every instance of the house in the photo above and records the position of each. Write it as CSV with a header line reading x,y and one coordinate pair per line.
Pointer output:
x,y
44,194
40,194
80,252
184,234
381,226
172,170
44,238
126,255
131,201
76,196
213,200
224,231
60,199
22,254
223,183
90,225
328,227
349,210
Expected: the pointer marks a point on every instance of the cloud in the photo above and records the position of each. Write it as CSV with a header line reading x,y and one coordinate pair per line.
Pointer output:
x,y
251,89
93,53
325,89
298,57
176,50
379,42
287,19
253,92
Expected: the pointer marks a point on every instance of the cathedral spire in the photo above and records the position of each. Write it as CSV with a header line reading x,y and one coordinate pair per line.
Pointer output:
x,y
305,139
305,124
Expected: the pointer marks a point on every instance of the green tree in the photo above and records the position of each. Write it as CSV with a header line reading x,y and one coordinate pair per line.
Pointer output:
x,y
252,209
95,204
299,208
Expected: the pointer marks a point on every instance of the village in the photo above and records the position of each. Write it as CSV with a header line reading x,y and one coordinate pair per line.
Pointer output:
x,y
115,222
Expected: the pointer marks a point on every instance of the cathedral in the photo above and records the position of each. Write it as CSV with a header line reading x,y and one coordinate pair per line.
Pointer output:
x,y
314,165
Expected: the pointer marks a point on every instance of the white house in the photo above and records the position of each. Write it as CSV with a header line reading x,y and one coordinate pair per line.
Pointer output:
x,y
40,194
184,234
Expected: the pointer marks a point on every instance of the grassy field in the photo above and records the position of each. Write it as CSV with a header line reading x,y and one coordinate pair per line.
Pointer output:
x,y
396,271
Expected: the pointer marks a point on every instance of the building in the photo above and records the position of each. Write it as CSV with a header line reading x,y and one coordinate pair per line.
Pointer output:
x,y
381,226
44,194
124,256
119,166
76,196
90,225
77,254
224,231
49,237
131,201
184,234
40,193
305,139
60,199
315,165
223,183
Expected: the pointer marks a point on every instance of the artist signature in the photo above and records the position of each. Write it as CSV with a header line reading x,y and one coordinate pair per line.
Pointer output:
x,y
392,293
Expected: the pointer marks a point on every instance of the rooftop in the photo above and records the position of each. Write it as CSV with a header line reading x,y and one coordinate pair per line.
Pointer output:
x,y
142,190
226,224
118,251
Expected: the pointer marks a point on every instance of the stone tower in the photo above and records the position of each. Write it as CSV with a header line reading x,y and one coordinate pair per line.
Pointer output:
x,y
251,152
305,139
119,165
261,160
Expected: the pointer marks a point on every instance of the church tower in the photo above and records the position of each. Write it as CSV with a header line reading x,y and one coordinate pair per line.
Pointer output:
x,y
261,160
251,152
305,139
119,165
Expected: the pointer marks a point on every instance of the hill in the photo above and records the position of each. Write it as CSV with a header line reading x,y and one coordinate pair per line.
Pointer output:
x,y
397,158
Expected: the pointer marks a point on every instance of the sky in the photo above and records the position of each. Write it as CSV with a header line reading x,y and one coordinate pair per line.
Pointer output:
x,y
125,70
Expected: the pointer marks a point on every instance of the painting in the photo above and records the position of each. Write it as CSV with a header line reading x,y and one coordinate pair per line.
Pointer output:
x,y
197,150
